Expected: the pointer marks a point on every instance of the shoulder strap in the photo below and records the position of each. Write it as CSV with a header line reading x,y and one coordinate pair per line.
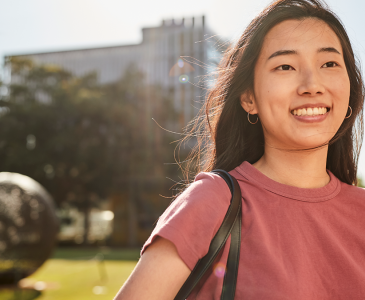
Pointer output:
x,y
231,218
230,277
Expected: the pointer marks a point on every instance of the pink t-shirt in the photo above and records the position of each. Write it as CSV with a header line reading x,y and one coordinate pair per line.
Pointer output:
x,y
296,244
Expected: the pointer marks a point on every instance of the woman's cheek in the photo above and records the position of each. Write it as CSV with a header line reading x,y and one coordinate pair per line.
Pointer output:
x,y
341,94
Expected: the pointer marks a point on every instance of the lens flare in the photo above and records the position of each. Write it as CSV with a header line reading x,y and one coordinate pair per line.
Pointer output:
x,y
180,63
219,270
184,78
100,290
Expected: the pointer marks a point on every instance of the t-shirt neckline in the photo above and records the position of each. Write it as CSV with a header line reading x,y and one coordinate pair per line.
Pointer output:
x,y
321,194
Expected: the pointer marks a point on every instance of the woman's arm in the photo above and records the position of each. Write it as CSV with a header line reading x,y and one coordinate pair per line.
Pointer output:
x,y
159,274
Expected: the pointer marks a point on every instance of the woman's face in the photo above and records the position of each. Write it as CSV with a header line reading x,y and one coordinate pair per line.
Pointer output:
x,y
301,85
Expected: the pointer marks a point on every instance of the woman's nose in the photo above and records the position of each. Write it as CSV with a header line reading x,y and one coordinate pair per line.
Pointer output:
x,y
310,84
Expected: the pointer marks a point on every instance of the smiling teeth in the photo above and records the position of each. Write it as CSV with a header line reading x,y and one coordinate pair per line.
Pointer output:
x,y
315,111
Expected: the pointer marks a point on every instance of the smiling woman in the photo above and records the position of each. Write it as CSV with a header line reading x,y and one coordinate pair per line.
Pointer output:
x,y
295,161
300,79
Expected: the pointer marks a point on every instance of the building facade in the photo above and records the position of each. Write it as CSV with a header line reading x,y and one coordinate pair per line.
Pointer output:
x,y
174,55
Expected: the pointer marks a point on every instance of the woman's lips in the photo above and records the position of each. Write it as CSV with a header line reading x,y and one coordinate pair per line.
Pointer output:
x,y
311,119
311,113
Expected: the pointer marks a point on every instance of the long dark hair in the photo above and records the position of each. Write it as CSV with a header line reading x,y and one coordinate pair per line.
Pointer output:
x,y
225,138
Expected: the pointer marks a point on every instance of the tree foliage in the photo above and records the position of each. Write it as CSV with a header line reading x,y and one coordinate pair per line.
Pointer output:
x,y
82,140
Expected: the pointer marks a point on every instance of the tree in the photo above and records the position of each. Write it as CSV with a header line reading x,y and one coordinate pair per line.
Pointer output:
x,y
81,140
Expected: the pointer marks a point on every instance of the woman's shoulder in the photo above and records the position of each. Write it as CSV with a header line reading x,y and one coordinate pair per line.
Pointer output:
x,y
210,180
193,218
206,188
207,195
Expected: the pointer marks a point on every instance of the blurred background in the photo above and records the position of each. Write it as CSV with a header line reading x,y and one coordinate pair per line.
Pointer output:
x,y
93,97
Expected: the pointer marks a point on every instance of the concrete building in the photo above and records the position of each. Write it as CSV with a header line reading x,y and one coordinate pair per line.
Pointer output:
x,y
158,56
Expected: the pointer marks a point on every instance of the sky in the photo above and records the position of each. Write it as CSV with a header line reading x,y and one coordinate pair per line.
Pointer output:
x,y
29,26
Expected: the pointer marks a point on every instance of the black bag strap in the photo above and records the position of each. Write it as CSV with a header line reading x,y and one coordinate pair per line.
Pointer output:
x,y
232,217
230,278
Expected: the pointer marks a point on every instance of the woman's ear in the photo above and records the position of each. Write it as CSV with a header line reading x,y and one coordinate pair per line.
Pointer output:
x,y
248,103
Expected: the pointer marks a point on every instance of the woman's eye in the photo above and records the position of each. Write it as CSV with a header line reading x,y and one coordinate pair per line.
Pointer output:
x,y
330,64
285,68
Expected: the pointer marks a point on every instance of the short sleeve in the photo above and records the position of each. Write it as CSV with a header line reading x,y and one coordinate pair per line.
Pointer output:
x,y
192,220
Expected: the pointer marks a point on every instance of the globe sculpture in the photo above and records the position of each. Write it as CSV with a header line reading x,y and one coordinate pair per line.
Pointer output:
x,y
28,226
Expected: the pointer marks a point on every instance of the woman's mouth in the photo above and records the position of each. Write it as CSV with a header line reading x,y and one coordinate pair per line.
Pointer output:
x,y
310,111
311,114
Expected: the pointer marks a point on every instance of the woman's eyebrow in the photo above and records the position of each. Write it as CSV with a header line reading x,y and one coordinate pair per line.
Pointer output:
x,y
328,49
291,52
282,52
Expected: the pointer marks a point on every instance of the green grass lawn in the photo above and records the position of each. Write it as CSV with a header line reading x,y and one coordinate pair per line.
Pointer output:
x,y
76,274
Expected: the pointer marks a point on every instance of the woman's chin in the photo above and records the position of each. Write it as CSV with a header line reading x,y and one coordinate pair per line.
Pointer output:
x,y
300,143
310,144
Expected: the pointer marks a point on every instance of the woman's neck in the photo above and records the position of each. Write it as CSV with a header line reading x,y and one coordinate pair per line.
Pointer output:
x,y
303,169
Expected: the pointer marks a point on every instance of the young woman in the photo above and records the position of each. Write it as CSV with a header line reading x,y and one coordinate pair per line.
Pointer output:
x,y
285,118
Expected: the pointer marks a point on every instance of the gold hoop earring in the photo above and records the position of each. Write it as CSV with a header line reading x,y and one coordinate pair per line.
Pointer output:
x,y
248,118
350,113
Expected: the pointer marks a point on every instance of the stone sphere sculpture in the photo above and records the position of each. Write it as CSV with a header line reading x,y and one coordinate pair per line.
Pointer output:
x,y
28,226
